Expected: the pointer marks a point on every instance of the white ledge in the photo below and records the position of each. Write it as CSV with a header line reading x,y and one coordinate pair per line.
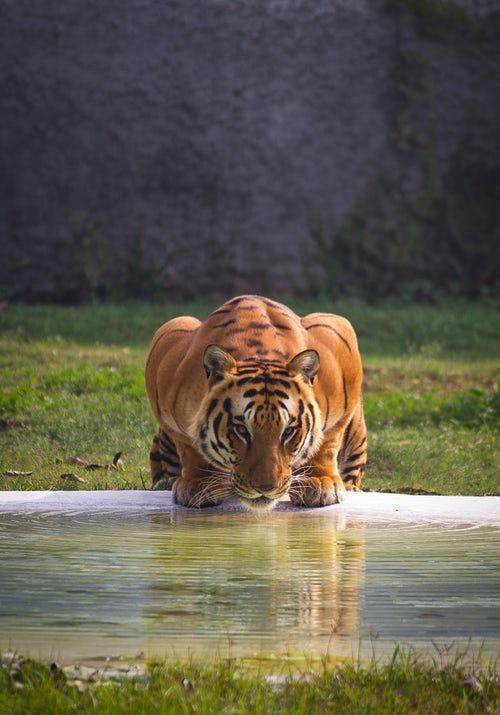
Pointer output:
x,y
360,505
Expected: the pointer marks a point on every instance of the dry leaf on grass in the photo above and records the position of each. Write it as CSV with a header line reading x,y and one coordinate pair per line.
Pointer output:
x,y
118,461
16,473
474,683
70,476
70,459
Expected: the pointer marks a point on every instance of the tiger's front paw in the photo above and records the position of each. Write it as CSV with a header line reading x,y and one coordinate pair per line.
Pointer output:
x,y
195,494
164,483
317,491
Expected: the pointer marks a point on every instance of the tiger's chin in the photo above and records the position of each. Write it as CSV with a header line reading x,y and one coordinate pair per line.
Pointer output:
x,y
260,503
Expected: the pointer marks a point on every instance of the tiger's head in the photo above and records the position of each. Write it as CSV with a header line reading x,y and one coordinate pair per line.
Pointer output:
x,y
258,422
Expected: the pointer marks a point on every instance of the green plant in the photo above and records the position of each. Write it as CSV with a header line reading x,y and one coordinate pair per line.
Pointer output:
x,y
95,255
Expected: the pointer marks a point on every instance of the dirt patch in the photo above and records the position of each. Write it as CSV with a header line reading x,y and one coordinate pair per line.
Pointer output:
x,y
379,380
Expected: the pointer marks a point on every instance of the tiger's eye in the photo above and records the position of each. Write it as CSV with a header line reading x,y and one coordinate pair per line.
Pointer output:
x,y
242,431
288,432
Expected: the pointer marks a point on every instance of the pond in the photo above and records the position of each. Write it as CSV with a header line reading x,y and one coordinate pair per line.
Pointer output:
x,y
90,585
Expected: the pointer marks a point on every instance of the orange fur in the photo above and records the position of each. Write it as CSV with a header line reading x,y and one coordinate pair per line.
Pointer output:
x,y
259,402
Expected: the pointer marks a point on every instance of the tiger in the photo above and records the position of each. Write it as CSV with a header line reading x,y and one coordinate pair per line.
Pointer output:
x,y
257,403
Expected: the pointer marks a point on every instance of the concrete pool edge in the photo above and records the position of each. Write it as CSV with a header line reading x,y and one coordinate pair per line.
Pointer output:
x,y
361,505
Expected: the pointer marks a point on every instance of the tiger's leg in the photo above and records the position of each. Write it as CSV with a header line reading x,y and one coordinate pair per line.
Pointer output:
x,y
165,463
353,454
200,484
322,484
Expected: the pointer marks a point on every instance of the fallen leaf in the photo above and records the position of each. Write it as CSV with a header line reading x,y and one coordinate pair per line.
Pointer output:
x,y
118,461
474,683
417,490
70,459
8,656
72,477
16,473
94,465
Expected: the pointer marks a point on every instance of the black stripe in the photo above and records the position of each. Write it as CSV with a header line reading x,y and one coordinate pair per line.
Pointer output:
x,y
172,462
280,393
244,380
345,393
167,472
308,427
347,434
327,412
216,426
265,378
225,324
361,444
262,363
217,447
255,325
211,407
311,410
251,393
168,446
329,327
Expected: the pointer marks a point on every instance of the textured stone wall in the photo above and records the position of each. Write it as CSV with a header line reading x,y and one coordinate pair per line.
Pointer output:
x,y
214,133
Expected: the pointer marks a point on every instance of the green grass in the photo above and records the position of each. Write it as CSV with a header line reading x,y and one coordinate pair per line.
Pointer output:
x,y
71,383
402,686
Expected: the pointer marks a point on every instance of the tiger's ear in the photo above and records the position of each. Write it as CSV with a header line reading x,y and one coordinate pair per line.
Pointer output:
x,y
306,364
217,362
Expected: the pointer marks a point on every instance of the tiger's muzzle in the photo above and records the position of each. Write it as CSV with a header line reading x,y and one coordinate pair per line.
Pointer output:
x,y
264,496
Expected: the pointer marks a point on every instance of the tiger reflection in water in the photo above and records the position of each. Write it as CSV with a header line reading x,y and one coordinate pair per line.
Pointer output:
x,y
269,583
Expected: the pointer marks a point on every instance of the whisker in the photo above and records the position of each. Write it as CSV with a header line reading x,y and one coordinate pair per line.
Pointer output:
x,y
218,472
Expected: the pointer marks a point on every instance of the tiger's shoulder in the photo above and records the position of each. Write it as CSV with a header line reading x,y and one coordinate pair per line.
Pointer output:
x,y
328,326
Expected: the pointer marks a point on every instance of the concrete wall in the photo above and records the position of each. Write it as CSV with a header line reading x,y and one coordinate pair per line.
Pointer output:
x,y
218,131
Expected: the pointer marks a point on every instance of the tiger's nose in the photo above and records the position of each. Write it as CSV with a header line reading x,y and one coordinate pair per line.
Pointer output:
x,y
266,487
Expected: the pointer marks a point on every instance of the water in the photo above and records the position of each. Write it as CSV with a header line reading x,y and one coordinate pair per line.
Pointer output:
x,y
89,585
